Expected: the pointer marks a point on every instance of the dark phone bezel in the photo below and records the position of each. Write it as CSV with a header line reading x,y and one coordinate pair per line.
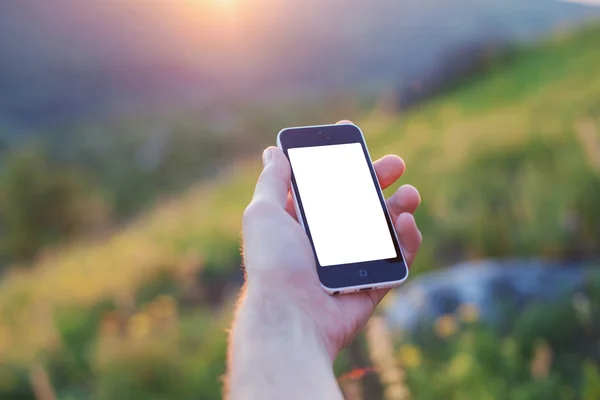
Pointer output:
x,y
345,275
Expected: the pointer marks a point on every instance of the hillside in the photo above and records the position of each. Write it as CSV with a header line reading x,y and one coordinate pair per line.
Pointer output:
x,y
507,165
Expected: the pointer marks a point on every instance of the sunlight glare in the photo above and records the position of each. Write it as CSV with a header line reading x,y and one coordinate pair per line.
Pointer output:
x,y
218,4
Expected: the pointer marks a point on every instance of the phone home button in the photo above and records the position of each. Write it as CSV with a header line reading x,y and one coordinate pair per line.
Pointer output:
x,y
362,272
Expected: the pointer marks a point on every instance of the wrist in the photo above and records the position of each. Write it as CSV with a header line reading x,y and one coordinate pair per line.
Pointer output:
x,y
275,349
273,312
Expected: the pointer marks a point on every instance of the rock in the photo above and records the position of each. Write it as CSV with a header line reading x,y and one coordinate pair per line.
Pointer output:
x,y
490,286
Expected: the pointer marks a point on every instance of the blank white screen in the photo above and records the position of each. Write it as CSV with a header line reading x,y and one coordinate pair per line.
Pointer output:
x,y
341,205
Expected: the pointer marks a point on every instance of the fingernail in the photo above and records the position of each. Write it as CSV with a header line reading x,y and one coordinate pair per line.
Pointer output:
x,y
267,155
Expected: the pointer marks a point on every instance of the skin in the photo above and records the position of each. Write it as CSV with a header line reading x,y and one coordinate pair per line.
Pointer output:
x,y
288,330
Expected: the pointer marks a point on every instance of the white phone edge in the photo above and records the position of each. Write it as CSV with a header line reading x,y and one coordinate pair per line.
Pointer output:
x,y
356,288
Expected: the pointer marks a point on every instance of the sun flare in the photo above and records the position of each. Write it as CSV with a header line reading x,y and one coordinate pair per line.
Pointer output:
x,y
218,4
224,10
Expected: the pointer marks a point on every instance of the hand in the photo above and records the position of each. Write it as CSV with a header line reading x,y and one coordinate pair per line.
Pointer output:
x,y
280,262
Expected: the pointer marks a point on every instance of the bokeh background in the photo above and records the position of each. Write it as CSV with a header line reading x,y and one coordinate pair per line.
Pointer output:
x,y
130,141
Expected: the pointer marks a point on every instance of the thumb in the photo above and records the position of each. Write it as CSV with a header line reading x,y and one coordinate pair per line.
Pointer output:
x,y
274,182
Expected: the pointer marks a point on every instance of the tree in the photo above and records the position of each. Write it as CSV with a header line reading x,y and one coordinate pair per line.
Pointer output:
x,y
41,203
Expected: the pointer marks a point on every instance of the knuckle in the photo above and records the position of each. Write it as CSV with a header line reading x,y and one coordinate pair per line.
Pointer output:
x,y
415,243
415,191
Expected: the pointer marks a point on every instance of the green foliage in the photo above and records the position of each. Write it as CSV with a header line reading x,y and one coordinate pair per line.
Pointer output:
x,y
138,159
150,376
591,381
76,328
14,383
549,353
40,203
163,365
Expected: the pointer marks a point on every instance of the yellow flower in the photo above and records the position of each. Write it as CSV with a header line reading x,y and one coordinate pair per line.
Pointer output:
x,y
163,308
460,366
410,356
445,326
138,326
468,312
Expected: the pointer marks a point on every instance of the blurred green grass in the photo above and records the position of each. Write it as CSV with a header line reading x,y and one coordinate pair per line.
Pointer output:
x,y
507,164
545,355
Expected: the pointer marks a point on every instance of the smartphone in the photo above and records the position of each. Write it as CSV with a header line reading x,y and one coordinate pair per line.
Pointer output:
x,y
341,206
